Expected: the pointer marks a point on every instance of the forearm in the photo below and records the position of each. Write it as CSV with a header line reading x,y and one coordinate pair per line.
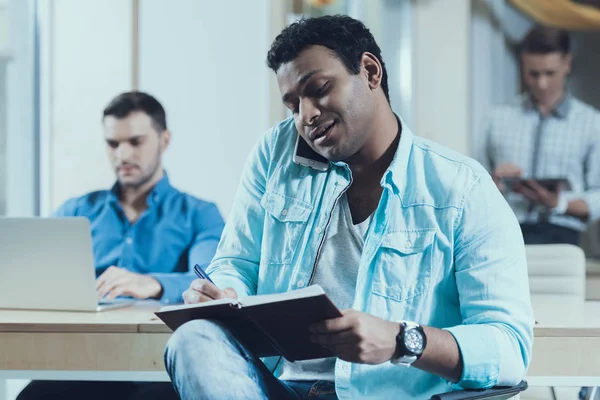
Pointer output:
x,y
578,208
441,356
586,205
240,275
173,285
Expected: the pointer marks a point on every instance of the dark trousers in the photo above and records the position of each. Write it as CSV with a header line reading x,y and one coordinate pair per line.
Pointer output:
x,y
95,390
545,233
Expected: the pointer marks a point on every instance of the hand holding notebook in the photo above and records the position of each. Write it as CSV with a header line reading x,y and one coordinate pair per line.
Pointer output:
x,y
269,325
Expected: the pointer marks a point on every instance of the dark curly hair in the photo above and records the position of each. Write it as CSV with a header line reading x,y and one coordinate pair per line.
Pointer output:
x,y
347,37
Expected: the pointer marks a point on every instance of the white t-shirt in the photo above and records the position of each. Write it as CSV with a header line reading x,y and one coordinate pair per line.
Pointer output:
x,y
336,273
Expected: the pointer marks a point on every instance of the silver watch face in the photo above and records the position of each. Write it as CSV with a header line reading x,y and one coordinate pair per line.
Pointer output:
x,y
413,341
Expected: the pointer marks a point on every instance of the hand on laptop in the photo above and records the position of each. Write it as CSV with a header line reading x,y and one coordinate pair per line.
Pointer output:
x,y
357,337
201,290
117,281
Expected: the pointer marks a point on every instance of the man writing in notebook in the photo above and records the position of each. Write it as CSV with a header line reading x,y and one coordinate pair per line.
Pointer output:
x,y
145,233
412,241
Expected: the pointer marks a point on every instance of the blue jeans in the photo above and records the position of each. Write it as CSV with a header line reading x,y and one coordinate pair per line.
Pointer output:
x,y
205,361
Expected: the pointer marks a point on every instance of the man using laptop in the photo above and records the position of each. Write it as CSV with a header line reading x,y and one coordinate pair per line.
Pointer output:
x,y
547,133
146,234
412,241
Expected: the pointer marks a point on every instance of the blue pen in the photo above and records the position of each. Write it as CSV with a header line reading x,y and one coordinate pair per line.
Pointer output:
x,y
201,274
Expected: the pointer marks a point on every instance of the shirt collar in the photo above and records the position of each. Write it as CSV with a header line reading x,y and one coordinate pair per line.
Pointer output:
x,y
395,176
561,110
157,193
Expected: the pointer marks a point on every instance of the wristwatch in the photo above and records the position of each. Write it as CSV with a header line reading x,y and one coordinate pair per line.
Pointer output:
x,y
561,206
410,344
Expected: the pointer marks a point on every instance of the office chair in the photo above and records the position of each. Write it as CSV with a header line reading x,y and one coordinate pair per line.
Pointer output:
x,y
556,270
495,393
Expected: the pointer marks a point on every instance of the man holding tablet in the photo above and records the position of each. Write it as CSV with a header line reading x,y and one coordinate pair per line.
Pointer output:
x,y
547,136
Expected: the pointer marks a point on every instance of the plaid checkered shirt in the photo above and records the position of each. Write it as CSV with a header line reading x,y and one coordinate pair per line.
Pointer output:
x,y
564,143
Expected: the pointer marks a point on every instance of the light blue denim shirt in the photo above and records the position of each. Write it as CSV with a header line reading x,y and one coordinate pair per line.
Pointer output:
x,y
444,249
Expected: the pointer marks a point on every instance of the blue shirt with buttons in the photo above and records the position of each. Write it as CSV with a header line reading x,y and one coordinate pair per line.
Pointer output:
x,y
175,232
443,249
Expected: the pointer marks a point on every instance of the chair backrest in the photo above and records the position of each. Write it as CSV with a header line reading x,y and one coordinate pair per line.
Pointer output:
x,y
557,270
590,239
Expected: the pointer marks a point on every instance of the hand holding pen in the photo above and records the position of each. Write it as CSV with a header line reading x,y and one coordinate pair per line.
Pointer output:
x,y
204,289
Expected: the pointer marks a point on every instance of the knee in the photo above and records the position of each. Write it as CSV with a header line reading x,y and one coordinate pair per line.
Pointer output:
x,y
192,339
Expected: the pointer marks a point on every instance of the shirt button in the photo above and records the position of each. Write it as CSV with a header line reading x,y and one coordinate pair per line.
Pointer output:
x,y
408,243
300,284
129,240
318,230
284,212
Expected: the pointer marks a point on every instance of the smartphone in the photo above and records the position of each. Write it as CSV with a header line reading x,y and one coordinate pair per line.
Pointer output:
x,y
306,156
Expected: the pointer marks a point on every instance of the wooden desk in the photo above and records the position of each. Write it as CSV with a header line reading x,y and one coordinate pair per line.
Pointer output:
x,y
128,344
109,345
566,348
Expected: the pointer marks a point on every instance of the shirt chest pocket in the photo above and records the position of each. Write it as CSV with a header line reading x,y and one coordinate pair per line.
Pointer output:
x,y
403,264
285,222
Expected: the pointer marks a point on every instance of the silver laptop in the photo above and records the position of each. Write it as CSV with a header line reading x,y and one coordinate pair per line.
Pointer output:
x,y
48,264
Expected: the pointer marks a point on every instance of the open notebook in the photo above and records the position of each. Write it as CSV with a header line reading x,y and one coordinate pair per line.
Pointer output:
x,y
268,325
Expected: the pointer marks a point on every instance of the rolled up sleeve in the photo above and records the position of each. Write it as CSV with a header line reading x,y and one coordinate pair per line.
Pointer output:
x,y
496,336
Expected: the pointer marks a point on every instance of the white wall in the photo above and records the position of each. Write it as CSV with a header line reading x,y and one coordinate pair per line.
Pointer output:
x,y
391,23
3,165
88,60
205,62
4,59
495,28
441,97
21,165
4,25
